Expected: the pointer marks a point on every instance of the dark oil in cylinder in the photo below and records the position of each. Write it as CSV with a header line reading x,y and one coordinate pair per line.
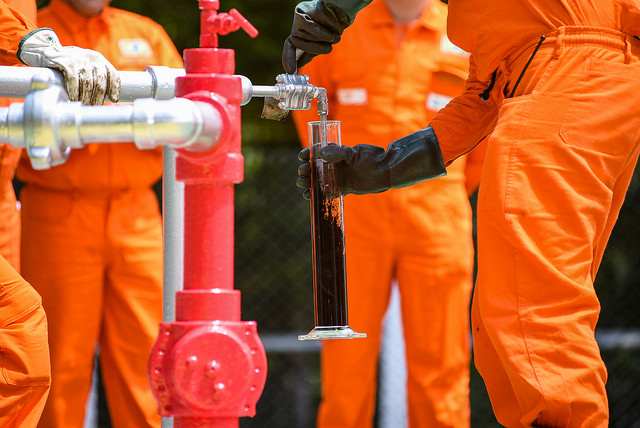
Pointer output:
x,y
330,281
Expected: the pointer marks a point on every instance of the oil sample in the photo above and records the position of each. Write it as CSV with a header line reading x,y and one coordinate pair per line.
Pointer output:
x,y
330,275
328,245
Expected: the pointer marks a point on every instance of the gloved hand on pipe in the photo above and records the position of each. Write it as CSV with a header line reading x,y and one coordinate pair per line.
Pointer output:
x,y
317,25
371,169
89,77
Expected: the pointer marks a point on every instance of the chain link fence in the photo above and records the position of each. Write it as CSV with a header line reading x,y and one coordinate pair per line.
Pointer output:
x,y
273,272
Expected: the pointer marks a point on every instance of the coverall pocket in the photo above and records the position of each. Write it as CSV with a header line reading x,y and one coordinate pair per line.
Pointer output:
x,y
598,119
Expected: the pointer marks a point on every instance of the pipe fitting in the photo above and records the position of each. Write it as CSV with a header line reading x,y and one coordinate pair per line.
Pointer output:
x,y
48,126
201,148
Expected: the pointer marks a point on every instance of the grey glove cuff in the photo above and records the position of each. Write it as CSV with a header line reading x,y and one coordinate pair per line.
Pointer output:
x,y
414,158
345,10
365,168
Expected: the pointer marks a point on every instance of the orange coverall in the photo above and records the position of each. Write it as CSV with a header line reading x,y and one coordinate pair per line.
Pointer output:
x,y
381,88
92,240
17,20
9,156
24,352
561,153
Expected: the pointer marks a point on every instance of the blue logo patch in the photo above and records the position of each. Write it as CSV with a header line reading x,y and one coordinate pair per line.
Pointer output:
x,y
135,48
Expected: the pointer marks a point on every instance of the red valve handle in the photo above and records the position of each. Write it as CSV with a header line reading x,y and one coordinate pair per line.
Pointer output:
x,y
244,24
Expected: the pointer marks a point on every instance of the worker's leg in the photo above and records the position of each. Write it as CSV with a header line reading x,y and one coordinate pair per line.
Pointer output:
x,y
24,352
545,210
434,272
133,307
62,257
349,368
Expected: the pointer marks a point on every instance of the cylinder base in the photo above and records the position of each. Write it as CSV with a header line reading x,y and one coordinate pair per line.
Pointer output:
x,y
338,332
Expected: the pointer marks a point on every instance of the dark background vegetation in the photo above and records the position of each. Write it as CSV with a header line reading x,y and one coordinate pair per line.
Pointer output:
x,y
273,253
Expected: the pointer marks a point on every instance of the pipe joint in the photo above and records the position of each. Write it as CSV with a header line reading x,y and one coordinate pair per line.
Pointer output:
x,y
48,126
215,135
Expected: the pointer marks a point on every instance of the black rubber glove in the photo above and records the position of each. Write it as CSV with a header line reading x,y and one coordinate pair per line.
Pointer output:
x,y
371,169
317,26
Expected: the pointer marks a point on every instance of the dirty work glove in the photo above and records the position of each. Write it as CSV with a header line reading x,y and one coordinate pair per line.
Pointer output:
x,y
370,169
89,77
317,25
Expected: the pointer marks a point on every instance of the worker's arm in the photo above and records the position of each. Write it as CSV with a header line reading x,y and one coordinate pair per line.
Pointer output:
x,y
317,26
13,27
89,77
366,168
455,131
469,117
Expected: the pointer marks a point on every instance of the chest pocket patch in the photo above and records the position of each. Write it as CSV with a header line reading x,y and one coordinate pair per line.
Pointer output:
x,y
135,48
352,96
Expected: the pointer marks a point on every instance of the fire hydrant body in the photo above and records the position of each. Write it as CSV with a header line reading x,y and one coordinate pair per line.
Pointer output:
x,y
208,368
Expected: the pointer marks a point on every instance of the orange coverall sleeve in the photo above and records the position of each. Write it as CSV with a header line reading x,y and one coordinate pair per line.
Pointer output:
x,y
468,118
13,27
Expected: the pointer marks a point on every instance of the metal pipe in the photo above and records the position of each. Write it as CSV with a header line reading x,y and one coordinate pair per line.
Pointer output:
x,y
154,82
48,126
172,241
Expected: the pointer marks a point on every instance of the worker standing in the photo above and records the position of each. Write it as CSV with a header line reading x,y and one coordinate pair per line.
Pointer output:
x,y
24,43
92,238
24,350
23,324
552,88
420,235
9,156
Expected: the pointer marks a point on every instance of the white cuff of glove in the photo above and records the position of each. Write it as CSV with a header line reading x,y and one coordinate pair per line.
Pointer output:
x,y
89,77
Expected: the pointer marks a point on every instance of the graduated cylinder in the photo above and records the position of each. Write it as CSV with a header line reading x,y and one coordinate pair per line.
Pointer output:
x,y
328,244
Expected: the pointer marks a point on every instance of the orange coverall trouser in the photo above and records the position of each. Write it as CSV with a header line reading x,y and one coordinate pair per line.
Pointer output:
x,y
430,252
111,305
557,169
24,352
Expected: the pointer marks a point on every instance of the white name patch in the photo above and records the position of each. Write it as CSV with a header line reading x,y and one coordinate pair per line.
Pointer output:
x,y
352,96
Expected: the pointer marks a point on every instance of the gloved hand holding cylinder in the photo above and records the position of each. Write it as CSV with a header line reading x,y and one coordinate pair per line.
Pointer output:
x,y
328,245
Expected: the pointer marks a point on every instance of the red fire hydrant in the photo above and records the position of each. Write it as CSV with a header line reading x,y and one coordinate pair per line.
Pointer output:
x,y
208,368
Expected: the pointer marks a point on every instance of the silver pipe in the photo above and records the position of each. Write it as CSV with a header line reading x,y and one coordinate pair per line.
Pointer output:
x,y
154,82
49,126
148,123
173,220
249,91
